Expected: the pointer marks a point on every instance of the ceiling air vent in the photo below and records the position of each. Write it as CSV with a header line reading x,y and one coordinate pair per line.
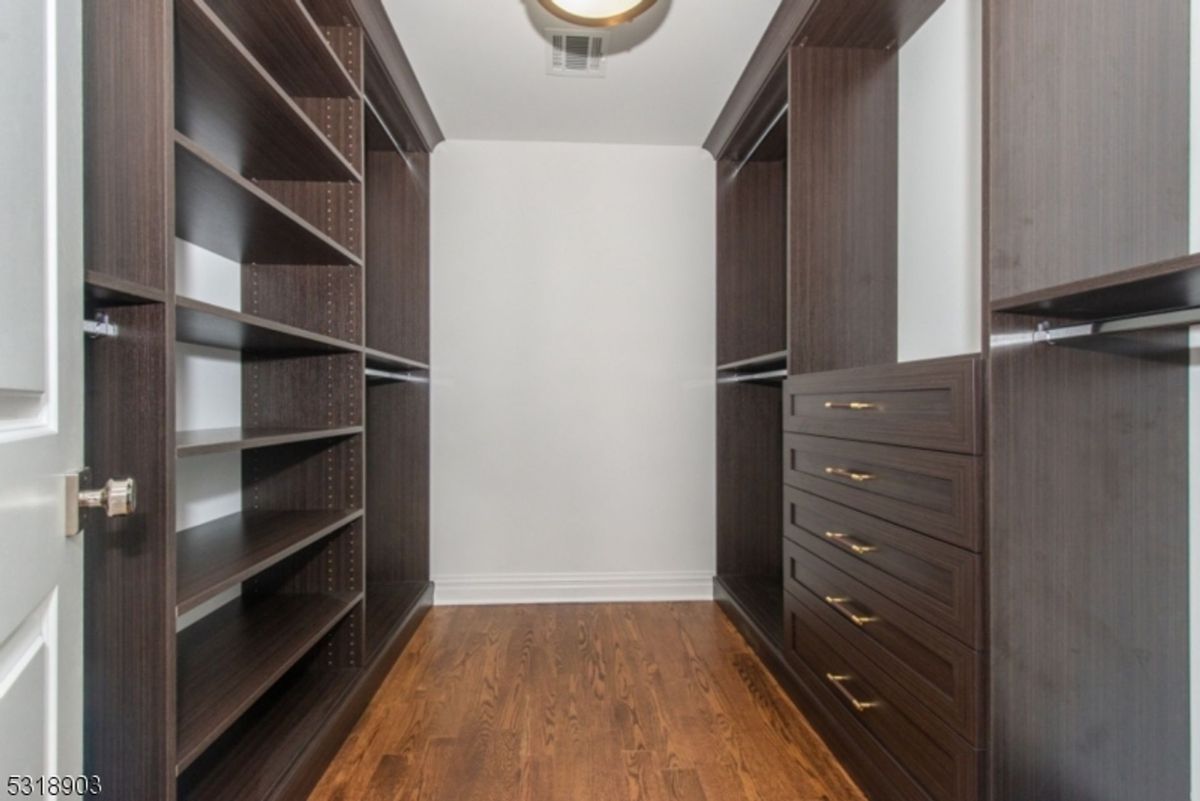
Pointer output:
x,y
577,54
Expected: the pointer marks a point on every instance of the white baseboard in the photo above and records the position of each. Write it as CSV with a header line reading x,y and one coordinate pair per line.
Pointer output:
x,y
551,588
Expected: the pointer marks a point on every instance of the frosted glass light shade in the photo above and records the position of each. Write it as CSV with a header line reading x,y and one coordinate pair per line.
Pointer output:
x,y
597,13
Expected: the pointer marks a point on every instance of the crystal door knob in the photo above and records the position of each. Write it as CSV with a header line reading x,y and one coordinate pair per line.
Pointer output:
x,y
118,497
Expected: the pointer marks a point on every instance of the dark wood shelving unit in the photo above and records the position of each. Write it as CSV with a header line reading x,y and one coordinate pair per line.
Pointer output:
x,y
761,599
221,211
243,128
225,440
200,323
228,660
231,106
763,363
221,554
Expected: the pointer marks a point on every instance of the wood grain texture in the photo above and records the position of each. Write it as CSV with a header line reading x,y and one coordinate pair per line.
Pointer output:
x,y
749,480
1089,577
751,259
582,702
843,208
397,483
326,299
865,23
398,251
1087,173
202,323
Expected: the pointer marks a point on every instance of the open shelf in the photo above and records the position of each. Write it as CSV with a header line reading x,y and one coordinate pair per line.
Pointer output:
x,y
388,605
764,363
386,361
108,291
1147,289
225,440
285,39
252,757
202,323
230,104
761,598
216,556
219,210
228,660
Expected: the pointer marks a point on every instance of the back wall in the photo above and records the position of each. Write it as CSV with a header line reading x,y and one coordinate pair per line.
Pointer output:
x,y
573,348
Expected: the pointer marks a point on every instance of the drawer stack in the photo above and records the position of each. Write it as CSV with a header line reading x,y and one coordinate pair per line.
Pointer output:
x,y
883,571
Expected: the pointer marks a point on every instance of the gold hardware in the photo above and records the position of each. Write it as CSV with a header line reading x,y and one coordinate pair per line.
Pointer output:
x,y
853,475
861,550
118,498
854,406
839,683
840,605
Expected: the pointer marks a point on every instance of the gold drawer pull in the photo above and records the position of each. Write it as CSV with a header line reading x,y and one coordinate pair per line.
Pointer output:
x,y
853,406
840,604
839,682
853,475
851,545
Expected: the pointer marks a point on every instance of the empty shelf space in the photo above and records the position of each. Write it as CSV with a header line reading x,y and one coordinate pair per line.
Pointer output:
x,y
761,598
388,605
105,290
216,556
219,210
285,39
228,660
380,360
227,101
200,323
224,440
250,760
1147,289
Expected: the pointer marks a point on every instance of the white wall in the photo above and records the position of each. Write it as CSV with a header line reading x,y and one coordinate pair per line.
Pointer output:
x,y
573,350
941,184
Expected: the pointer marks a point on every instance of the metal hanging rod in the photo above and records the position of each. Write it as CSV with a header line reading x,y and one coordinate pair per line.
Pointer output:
x,y
1049,334
386,375
743,378
762,138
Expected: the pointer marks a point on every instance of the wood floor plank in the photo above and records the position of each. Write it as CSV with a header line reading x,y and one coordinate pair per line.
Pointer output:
x,y
616,702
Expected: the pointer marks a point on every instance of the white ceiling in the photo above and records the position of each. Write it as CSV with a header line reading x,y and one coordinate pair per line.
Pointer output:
x,y
483,65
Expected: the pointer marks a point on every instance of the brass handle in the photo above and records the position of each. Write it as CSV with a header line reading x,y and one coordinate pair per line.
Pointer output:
x,y
853,406
853,475
852,545
839,683
118,498
840,605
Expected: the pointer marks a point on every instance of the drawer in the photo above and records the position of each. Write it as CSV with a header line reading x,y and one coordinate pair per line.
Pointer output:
x,y
938,494
934,404
941,583
937,670
945,765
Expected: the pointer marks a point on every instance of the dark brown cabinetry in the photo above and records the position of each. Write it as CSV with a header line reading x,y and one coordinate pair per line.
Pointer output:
x,y
250,130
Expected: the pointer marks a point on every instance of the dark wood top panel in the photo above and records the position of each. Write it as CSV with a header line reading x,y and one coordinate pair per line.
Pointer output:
x,y
285,39
221,211
228,660
202,323
223,440
216,556
228,103
869,24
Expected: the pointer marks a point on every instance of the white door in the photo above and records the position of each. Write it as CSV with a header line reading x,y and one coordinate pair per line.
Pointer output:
x,y
41,394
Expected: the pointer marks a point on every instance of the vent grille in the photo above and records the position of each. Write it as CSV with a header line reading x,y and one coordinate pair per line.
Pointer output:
x,y
578,55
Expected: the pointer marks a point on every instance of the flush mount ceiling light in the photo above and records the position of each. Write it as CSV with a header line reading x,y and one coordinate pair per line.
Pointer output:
x,y
597,13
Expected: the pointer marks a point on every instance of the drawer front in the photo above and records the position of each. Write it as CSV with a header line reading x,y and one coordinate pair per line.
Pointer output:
x,y
939,582
945,766
935,493
935,405
941,673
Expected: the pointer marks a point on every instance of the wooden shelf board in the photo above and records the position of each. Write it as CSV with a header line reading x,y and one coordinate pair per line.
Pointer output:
x,y
105,290
378,136
216,556
227,102
263,747
224,440
200,323
766,360
228,660
1160,287
384,361
286,41
388,607
761,598
221,211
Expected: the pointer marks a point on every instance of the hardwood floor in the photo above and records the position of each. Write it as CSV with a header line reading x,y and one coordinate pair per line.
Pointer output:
x,y
647,702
